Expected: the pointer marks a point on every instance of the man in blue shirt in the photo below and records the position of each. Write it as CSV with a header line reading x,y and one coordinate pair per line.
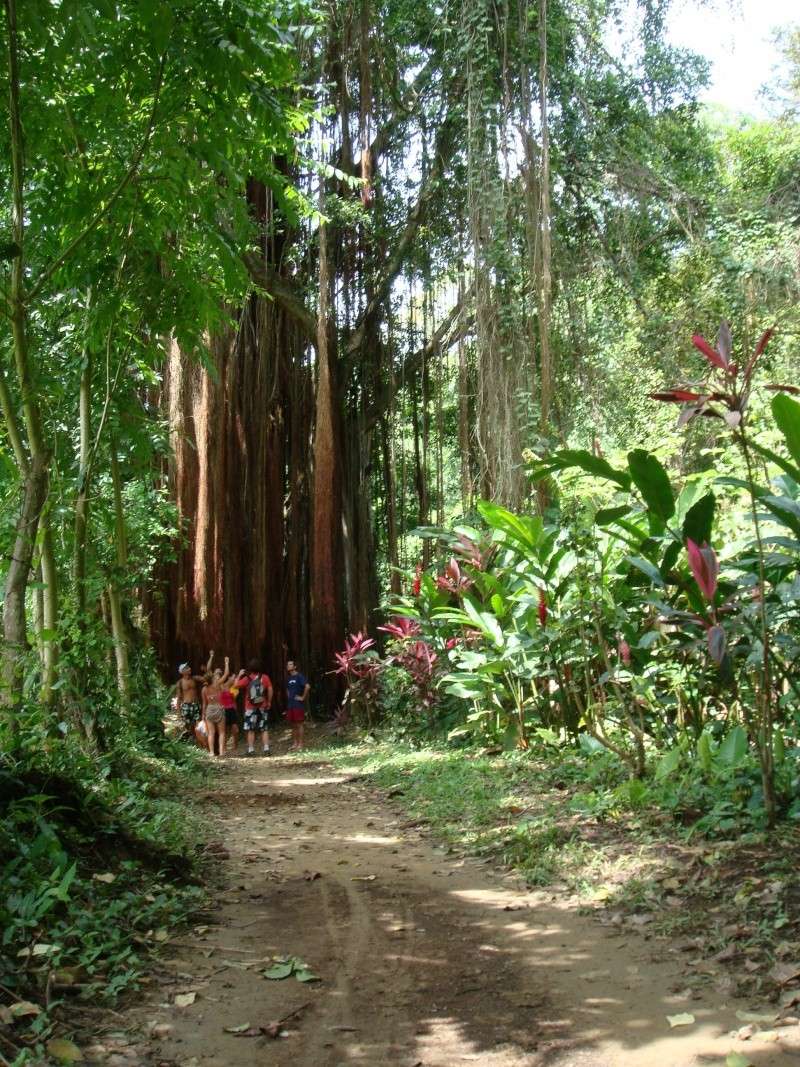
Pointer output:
x,y
297,690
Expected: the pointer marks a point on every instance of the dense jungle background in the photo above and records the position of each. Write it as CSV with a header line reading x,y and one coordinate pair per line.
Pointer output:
x,y
448,348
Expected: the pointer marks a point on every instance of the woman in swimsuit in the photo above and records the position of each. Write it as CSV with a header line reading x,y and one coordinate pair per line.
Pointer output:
x,y
215,712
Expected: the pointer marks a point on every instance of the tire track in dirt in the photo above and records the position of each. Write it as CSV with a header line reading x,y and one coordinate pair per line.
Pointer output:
x,y
425,961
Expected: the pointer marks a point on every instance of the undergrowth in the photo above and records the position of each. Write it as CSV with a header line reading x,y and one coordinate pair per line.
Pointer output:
x,y
99,858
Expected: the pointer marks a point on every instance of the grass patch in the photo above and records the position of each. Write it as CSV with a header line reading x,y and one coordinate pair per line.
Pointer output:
x,y
490,806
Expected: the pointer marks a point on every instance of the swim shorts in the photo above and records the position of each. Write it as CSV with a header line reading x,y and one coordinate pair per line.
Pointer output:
x,y
190,712
256,719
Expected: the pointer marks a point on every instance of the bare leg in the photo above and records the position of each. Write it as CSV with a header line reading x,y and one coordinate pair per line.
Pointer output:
x,y
251,740
265,740
300,731
222,732
212,729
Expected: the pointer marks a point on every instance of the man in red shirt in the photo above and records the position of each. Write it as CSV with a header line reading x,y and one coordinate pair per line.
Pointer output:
x,y
257,702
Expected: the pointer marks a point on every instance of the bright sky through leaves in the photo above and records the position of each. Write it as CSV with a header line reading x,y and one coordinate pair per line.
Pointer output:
x,y
737,37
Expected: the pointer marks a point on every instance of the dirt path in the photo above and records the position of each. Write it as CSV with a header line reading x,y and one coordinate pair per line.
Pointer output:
x,y
423,960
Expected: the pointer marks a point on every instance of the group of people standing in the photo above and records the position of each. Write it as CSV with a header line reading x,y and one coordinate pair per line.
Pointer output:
x,y
208,705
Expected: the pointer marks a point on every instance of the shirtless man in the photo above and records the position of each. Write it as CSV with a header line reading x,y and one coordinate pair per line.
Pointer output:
x,y
187,695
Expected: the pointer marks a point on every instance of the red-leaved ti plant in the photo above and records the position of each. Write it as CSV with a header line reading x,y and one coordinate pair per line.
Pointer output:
x,y
416,657
452,580
704,566
419,660
725,397
476,555
361,673
352,662
728,396
542,608
401,628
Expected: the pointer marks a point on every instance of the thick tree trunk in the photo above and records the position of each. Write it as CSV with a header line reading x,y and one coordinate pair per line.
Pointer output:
x,y
327,630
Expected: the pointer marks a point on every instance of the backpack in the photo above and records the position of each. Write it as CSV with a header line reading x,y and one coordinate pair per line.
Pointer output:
x,y
255,690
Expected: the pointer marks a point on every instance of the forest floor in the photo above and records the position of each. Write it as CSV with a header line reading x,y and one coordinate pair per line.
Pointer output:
x,y
423,959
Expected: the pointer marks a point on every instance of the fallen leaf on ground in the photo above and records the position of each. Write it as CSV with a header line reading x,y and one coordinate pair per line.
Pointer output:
x,y
183,1000
364,878
161,935
728,953
25,1007
784,972
44,950
240,1029
755,1016
683,1019
736,1059
63,1050
108,878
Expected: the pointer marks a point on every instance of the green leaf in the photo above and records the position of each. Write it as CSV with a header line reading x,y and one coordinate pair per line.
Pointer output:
x,y
652,482
670,558
648,568
524,530
779,461
704,753
484,620
700,520
569,458
787,415
607,515
734,748
279,971
306,976
668,764
736,1059
498,606
785,509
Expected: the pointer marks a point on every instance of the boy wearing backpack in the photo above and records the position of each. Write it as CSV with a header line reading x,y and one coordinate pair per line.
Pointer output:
x,y
257,702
